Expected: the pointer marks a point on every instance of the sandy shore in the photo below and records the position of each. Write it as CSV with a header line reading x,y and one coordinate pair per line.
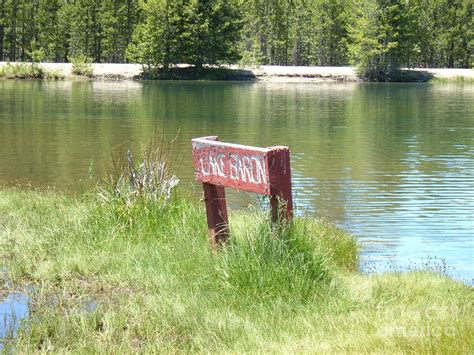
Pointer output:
x,y
262,73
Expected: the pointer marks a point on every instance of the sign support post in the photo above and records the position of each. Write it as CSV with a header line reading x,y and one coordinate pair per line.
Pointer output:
x,y
281,199
216,210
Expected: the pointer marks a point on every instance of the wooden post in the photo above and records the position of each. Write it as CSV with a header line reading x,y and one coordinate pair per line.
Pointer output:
x,y
281,199
216,210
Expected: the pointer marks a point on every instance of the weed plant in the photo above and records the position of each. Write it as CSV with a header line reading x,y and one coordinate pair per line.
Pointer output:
x,y
53,75
28,71
22,71
81,65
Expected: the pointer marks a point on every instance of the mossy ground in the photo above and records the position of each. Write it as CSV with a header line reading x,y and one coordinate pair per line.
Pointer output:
x,y
115,277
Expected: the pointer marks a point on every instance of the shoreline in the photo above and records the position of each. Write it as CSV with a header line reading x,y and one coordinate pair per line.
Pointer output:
x,y
264,73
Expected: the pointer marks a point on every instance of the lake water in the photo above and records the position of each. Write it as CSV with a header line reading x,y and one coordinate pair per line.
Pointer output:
x,y
391,163
13,310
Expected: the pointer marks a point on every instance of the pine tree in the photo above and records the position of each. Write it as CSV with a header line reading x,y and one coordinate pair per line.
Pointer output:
x,y
117,20
2,28
196,32
444,32
211,32
456,37
378,35
383,38
302,34
331,20
154,41
52,35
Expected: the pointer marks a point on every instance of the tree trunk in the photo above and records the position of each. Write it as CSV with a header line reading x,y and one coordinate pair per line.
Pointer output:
x,y
12,56
451,55
129,22
2,28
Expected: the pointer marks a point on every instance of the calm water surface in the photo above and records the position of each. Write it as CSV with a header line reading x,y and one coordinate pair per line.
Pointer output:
x,y
391,163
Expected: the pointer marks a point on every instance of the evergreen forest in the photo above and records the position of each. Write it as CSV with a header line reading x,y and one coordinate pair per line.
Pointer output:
x,y
376,35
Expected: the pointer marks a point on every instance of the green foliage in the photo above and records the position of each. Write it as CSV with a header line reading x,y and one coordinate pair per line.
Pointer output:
x,y
214,32
388,35
445,31
296,32
28,71
155,41
382,38
81,65
193,32
332,20
117,21
380,34
100,29
52,23
22,71
36,54
53,75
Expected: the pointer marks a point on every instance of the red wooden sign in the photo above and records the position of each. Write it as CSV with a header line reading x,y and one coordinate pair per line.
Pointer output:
x,y
262,170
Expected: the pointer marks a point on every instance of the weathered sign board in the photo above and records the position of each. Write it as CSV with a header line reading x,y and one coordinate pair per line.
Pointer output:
x,y
262,170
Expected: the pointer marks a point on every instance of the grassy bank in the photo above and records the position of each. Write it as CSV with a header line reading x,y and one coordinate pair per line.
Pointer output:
x,y
28,71
109,274
79,68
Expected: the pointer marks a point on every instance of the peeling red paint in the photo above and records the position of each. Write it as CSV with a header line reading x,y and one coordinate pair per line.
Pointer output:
x,y
231,165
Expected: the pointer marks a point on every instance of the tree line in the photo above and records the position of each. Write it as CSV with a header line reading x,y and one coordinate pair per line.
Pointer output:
x,y
60,29
380,34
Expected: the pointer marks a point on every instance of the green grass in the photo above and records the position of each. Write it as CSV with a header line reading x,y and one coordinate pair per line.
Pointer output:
x,y
118,275
456,80
28,71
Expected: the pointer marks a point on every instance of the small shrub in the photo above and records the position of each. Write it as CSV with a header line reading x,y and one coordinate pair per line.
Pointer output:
x,y
81,65
149,180
54,75
22,71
